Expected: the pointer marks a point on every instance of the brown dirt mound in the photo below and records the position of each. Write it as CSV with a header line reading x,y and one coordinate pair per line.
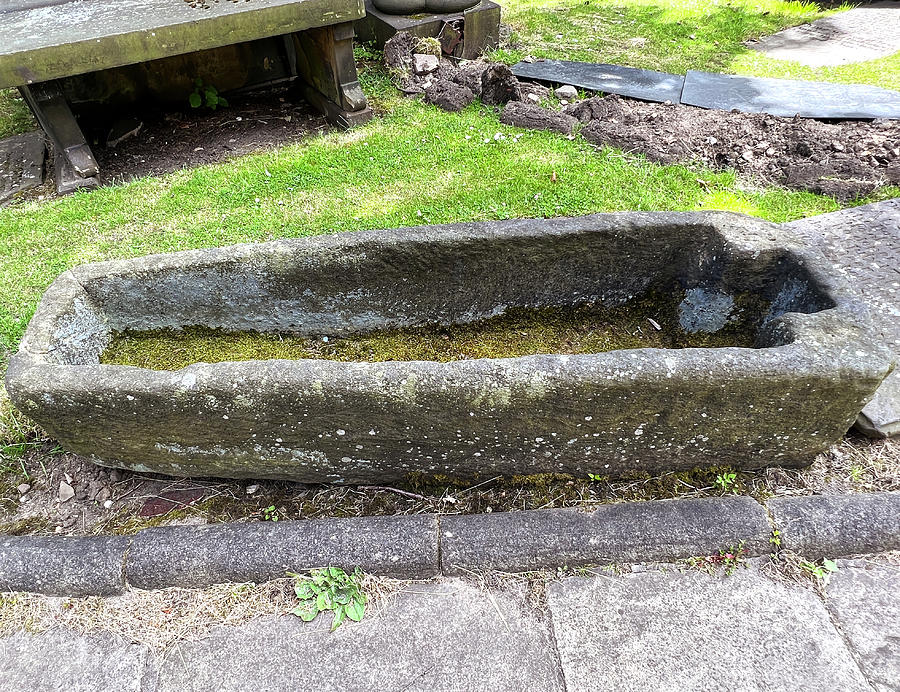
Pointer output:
x,y
846,159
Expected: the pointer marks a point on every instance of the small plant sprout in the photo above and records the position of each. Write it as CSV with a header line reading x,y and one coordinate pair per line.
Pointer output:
x,y
775,539
270,513
822,572
331,589
206,95
596,477
725,481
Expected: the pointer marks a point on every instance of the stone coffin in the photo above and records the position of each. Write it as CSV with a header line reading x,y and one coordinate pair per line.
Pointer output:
x,y
613,413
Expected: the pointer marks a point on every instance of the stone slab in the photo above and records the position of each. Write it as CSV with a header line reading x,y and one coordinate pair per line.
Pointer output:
x,y
197,556
646,85
864,599
863,245
21,164
63,566
64,660
695,631
54,40
628,532
818,526
788,97
449,636
867,32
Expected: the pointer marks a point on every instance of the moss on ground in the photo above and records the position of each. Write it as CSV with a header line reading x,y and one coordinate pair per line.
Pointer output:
x,y
647,322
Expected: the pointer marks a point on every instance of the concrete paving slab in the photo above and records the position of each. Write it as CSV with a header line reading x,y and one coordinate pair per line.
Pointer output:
x,y
646,85
865,602
864,33
788,97
695,631
63,660
863,244
448,636
21,163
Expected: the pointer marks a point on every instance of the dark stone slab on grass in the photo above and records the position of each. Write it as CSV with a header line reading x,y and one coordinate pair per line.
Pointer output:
x,y
632,532
197,556
646,85
21,164
445,636
788,97
818,526
864,599
659,630
863,244
533,117
61,659
63,566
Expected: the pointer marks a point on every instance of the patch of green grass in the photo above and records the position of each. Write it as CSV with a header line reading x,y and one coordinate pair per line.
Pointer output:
x,y
675,36
413,165
15,118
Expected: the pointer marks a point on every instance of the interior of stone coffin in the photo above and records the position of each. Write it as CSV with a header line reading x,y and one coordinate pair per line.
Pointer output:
x,y
423,306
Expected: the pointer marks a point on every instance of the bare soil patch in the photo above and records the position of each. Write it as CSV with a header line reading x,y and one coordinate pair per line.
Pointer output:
x,y
845,159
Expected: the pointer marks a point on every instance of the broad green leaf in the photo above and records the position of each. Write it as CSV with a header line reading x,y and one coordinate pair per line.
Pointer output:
x,y
338,618
355,610
830,565
195,100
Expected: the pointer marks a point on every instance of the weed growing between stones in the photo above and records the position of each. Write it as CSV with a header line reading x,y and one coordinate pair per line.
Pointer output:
x,y
650,321
331,589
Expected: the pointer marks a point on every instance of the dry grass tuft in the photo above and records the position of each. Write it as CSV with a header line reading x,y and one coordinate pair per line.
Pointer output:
x,y
160,618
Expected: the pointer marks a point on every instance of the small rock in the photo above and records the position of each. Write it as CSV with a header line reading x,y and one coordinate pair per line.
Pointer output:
x,y
534,98
252,488
567,91
837,146
425,64
23,488
563,102
66,492
712,140
103,495
115,476
108,504
747,155
770,151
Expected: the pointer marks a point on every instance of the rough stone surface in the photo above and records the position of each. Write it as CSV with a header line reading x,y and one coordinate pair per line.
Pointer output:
x,y
864,33
425,64
447,636
818,526
323,421
788,97
64,660
566,91
534,117
632,82
449,95
63,566
547,539
865,602
695,631
863,244
196,556
21,164
499,86
63,39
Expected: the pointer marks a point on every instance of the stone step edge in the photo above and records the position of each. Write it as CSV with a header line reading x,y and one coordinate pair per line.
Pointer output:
x,y
426,546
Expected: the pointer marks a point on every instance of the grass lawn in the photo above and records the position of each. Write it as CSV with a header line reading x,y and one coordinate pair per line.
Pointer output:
x,y
414,164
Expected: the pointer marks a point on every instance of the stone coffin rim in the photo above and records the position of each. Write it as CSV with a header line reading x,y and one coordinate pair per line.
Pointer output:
x,y
757,234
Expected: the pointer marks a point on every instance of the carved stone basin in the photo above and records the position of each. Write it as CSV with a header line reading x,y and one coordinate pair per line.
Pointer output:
x,y
799,388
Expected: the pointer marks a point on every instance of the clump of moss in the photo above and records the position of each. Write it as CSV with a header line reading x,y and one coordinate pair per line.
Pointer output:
x,y
650,321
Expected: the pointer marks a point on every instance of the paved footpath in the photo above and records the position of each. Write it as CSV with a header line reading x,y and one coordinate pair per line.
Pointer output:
x,y
651,629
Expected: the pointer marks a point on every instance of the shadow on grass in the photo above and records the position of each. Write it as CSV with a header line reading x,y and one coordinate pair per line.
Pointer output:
x,y
648,36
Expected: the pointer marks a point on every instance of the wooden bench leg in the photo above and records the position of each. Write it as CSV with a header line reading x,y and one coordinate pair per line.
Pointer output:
x,y
325,63
75,163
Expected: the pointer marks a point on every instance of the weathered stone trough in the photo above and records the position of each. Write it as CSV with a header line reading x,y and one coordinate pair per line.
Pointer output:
x,y
799,390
